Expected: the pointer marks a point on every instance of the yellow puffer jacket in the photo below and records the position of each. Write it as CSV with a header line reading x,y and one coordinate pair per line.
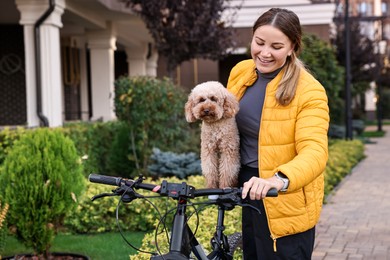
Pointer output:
x,y
293,140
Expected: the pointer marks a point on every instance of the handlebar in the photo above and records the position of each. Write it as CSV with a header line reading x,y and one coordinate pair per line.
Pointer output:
x,y
118,181
174,190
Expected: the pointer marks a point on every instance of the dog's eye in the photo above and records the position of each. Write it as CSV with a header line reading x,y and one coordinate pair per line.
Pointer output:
x,y
214,99
201,100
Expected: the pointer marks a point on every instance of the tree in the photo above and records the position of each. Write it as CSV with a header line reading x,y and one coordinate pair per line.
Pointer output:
x,y
321,60
363,56
187,29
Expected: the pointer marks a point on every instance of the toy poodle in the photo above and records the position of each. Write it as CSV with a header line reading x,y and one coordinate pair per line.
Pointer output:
x,y
211,103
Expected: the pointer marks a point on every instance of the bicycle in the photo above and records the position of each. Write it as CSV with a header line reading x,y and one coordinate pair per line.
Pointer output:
x,y
182,241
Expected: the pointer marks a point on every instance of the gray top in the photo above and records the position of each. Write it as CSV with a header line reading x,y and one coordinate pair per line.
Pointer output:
x,y
249,116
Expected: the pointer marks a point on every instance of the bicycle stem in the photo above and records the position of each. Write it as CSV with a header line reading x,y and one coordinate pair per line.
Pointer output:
x,y
220,221
178,226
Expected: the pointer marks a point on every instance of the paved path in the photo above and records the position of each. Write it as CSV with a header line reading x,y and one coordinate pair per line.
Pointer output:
x,y
355,222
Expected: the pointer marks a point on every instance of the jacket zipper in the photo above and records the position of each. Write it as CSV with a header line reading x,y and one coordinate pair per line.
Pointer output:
x,y
274,239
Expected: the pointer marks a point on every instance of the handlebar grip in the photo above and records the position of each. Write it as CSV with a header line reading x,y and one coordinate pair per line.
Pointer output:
x,y
103,179
272,193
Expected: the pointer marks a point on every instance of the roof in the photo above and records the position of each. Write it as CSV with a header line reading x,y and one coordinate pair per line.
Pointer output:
x,y
309,13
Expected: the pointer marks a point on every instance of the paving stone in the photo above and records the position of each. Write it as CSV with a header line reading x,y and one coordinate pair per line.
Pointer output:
x,y
355,221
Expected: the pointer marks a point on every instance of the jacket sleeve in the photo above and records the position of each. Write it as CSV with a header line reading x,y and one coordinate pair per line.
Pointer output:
x,y
311,137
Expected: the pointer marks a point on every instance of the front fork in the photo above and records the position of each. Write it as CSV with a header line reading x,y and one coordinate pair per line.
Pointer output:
x,y
219,241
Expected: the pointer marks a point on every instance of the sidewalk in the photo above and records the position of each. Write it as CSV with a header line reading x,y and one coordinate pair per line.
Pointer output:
x,y
355,222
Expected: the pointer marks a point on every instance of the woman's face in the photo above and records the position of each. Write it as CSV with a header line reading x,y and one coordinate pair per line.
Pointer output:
x,y
270,48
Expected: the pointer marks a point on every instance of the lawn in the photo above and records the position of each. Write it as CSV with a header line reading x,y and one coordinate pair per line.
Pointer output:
x,y
97,247
369,134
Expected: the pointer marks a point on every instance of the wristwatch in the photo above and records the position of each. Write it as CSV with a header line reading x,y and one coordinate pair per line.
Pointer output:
x,y
284,179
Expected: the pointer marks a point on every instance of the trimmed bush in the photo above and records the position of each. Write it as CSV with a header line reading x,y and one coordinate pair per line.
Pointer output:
x,y
7,138
154,112
42,180
343,156
3,226
94,143
100,215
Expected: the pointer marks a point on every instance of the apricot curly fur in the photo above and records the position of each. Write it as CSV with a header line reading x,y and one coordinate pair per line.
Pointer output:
x,y
211,103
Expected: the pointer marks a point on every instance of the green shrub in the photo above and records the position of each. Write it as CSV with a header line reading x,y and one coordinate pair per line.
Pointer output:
x,y
385,102
7,138
343,156
166,164
3,226
120,155
100,215
94,144
106,147
41,179
154,112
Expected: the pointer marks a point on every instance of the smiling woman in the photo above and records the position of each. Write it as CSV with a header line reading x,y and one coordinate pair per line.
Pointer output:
x,y
283,123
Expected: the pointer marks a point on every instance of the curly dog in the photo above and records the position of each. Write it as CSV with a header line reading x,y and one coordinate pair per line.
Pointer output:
x,y
216,107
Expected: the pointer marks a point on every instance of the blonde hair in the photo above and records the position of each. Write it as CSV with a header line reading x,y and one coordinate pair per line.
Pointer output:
x,y
288,85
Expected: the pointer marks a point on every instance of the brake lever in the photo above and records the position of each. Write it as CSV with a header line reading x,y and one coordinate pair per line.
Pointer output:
x,y
127,194
249,205
102,195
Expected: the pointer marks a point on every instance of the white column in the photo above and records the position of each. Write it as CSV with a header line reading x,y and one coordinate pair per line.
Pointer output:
x,y
102,47
51,79
151,64
136,59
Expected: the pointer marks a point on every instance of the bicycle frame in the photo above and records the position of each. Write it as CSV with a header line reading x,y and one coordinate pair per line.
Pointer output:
x,y
184,242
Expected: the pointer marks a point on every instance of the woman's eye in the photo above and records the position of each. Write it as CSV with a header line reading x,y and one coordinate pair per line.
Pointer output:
x,y
277,47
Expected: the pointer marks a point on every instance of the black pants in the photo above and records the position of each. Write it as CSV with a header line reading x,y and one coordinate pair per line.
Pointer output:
x,y
257,241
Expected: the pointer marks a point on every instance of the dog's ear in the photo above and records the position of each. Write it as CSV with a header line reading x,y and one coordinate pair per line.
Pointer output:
x,y
188,111
230,106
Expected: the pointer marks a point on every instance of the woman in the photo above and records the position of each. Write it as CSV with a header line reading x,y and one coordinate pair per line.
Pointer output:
x,y
283,123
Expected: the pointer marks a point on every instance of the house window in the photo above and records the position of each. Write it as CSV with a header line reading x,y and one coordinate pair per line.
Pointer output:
x,y
384,8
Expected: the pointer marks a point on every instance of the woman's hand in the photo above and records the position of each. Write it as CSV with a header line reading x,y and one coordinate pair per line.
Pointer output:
x,y
258,187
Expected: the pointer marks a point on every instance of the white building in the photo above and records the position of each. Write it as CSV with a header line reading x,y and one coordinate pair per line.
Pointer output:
x,y
59,58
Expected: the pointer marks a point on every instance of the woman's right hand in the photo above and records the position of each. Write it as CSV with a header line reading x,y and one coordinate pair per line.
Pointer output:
x,y
258,187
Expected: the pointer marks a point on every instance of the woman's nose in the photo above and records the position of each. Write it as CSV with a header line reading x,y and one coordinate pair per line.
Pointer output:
x,y
265,51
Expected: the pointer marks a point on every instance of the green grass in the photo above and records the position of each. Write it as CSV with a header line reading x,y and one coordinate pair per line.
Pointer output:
x,y
97,247
373,134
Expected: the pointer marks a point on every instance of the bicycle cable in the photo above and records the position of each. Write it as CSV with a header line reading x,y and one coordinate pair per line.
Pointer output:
x,y
118,224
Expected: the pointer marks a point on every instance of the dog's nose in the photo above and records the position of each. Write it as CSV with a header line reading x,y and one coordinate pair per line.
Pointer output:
x,y
206,111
